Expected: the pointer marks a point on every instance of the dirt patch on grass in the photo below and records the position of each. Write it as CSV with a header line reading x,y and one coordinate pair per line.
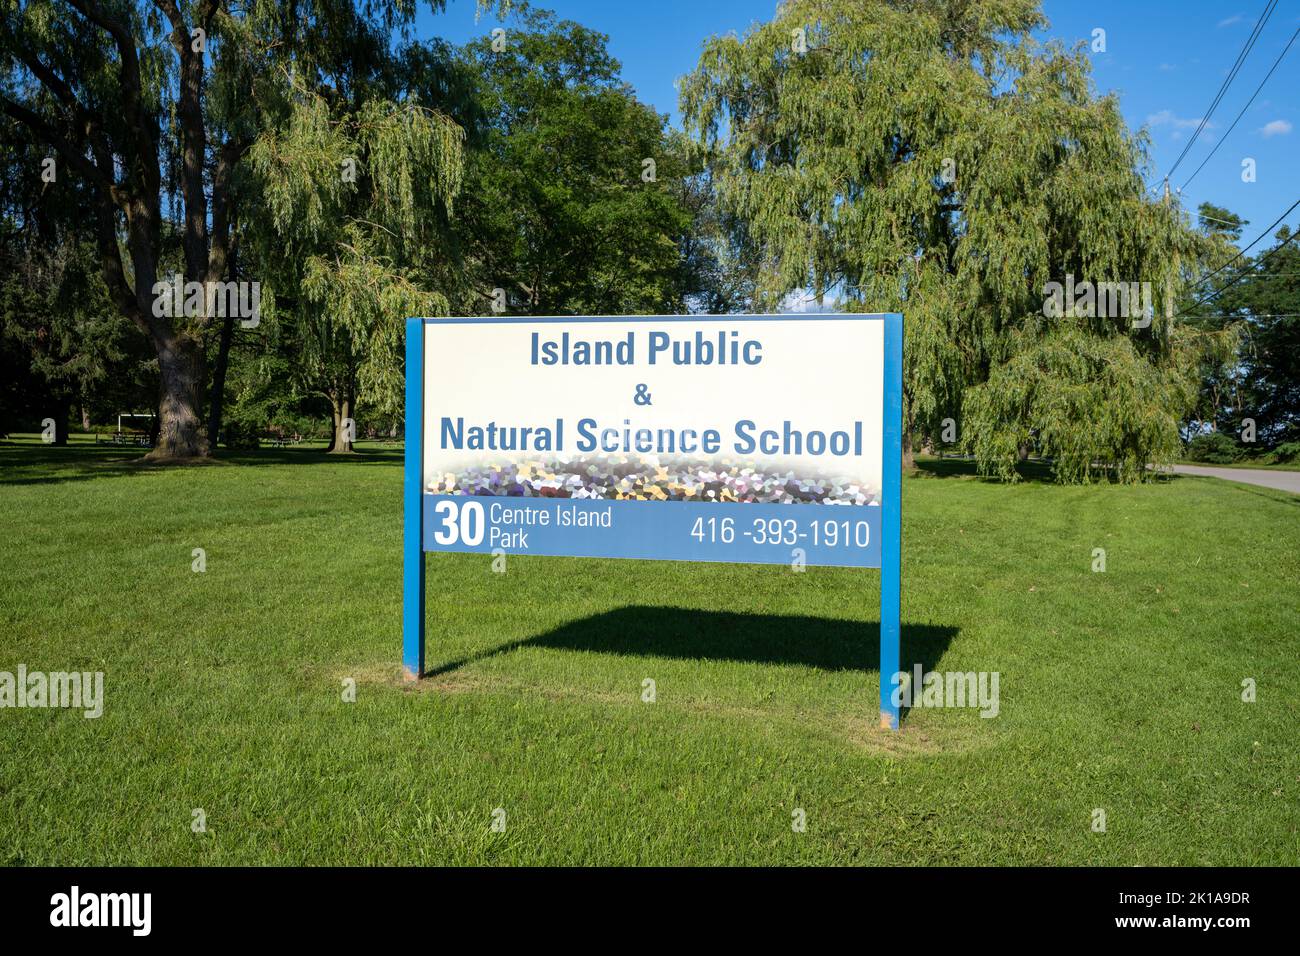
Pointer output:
x,y
859,730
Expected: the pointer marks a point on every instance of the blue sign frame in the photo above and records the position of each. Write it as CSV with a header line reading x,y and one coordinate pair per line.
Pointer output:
x,y
889,538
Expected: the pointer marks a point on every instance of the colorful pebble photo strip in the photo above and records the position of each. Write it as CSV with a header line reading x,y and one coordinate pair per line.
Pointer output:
x,y
650,479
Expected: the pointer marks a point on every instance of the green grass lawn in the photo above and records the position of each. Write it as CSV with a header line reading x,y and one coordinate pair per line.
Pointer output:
x,y
1119,690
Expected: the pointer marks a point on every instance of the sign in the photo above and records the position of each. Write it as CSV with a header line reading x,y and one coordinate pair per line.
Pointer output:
x,y
766,439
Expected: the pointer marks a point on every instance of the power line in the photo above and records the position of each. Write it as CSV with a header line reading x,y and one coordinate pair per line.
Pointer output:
x,y
1243,111
1237,225
1232,75
1243,251
1227,82
1246,272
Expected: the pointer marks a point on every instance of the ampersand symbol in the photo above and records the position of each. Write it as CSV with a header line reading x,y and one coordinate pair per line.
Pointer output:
x,y
642,397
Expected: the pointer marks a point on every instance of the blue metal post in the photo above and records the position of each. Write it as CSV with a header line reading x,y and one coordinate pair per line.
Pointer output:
x,y
412,507
891,521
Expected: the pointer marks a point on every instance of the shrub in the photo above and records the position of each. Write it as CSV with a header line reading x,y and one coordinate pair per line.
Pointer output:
x,y
1096,406
1216,448
240,436
1286,452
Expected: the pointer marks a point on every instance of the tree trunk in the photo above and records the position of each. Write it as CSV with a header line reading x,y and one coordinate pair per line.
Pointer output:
x,y
125,173
85,419
909,423
344,428
180,424
217,397
62,409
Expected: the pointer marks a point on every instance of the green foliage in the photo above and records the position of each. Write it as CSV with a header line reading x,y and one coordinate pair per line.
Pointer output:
x,y
369,299
927,156
155,134
1216,221
559,208
297,171
1214,448
1260,379
1101,409
932,158
263,386
70,345
1286,452
241,435
358,193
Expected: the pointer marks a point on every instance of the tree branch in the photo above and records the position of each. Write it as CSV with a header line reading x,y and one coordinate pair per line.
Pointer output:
x,y
193,134
68,151
231,150
141,138
85,123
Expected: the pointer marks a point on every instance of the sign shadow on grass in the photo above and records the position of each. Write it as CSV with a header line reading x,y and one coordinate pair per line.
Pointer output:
x,y
830,644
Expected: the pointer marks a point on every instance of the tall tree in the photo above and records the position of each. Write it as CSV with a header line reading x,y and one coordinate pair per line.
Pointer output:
x,y
1262,381
153,106
1221,327
930,157
358,182
67,343
574,198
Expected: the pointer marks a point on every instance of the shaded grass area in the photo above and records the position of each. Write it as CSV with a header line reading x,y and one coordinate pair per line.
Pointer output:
x,y
1119,690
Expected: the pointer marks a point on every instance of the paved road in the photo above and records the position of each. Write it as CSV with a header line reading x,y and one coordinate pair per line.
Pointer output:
x,y
1282,480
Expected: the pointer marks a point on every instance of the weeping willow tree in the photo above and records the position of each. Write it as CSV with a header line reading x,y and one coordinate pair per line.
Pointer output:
x,y
148,109
931,157
1097,404
355,198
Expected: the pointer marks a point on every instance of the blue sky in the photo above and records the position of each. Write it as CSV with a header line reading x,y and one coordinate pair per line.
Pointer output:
x,y
1165,59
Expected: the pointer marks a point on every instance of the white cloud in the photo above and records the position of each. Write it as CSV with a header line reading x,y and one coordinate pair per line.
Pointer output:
x,y
1278,127
1168,118
1229,21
